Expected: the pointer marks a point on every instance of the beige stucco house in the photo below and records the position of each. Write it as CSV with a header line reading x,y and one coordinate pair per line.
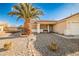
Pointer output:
x,y
43,26
66,26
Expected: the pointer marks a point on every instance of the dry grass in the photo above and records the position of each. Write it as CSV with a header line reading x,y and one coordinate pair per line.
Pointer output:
x,y
8,45
53,46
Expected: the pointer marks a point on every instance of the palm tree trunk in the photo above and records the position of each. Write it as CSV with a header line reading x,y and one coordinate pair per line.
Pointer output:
x,y
27,27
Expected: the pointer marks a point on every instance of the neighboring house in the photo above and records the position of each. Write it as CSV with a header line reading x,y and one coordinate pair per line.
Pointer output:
x,y
12,29
66,26
3,27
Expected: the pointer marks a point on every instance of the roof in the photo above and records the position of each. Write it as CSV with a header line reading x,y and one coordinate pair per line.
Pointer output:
x,y
46,21
65,19
62,20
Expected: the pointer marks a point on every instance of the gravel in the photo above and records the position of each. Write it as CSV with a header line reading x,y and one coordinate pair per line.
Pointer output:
x,y
65,46
38,46
19,46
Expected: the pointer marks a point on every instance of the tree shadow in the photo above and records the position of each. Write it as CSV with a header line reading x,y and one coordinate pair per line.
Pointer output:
x,y
2,49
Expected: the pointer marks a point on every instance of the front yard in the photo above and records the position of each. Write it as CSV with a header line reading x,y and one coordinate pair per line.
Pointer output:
x,y
66,46
38,46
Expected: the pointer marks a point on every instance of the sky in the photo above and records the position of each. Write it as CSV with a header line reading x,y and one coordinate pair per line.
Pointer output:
x,y
52,11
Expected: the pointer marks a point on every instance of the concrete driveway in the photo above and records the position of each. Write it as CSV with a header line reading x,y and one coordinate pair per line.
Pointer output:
x,y
66,46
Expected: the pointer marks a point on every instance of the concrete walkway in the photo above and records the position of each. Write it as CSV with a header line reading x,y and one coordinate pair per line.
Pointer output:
x,y
68,37
66,46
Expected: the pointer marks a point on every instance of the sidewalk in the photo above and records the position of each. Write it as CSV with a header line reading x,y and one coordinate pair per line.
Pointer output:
x,y
67,37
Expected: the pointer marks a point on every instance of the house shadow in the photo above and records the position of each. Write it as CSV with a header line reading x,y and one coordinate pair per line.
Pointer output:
x,y
65,46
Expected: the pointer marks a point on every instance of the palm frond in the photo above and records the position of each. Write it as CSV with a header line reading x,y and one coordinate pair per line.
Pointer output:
x,y
18,18
26,11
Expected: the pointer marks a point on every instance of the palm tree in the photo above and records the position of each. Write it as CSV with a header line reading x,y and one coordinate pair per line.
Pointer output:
x,y
27,12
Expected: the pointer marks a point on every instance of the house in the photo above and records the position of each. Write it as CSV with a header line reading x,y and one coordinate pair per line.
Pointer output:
x,y
12,29
3,27
43,26
66,26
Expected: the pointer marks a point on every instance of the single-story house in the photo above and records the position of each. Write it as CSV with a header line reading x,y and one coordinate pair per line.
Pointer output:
x,y
66,26
43,26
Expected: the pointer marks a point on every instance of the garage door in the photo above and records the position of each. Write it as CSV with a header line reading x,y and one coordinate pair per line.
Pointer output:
x,y
74,28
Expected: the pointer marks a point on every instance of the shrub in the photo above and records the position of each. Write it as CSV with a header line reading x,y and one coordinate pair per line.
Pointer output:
x,y
7,45
53,46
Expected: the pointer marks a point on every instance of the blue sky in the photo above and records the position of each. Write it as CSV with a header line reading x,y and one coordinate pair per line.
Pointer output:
x,y
52,11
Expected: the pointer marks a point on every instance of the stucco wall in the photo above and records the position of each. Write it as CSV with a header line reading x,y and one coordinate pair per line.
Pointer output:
x,y
73,26
68,27
59,27
34,27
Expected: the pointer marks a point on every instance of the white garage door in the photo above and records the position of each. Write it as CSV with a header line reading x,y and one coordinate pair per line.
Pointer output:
x,y
73,28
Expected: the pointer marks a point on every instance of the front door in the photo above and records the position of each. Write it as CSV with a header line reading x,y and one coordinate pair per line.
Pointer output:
x,y
50,28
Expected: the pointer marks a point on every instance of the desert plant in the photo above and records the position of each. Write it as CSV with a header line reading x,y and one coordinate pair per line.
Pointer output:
x,y
53,46
7,45
27,12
